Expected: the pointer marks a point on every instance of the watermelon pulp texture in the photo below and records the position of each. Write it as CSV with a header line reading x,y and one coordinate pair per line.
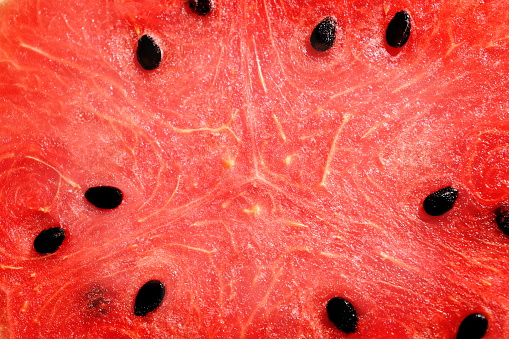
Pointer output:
x,y
260,177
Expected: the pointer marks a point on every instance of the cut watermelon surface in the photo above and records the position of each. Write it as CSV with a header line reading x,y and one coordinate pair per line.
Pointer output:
x,y
254,169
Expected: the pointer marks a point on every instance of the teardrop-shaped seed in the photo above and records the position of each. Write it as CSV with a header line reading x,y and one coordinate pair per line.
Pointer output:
x,y
149,297
324,35
148,53
201,7
441,201
502,219
473,326
105,197
342,314
49,240
398,30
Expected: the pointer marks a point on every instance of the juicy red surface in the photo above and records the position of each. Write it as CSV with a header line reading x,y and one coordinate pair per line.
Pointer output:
x,y
260,177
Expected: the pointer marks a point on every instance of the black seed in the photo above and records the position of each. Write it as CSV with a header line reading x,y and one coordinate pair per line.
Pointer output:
x,y
502,218
201,7
473,326
441,201
398,30
105,197
149,297
342,314
324,35
49,240
148,53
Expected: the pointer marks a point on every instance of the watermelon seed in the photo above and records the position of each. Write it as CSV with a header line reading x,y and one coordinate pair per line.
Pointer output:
x,y
502,219
148,53
105,197
473,326
49,240
201,7
398,30
324,35
149,297
441,201
342,314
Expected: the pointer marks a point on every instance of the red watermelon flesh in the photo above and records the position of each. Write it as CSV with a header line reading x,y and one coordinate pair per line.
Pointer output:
x,y
260,177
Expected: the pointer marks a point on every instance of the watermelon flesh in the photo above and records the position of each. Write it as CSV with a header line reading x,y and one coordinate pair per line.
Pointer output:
x,y
260,177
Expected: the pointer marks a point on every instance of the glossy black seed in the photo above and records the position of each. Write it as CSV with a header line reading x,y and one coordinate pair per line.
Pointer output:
x,y
148,53
149,297
502,219
473,326
441,201
398,30
324,35
105,197
49,240
201,7
342,314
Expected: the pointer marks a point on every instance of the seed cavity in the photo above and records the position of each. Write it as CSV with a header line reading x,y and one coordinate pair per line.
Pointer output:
x,y
201,7
148,53
342,314
502,219
149,297
324,35
473,326
104,197
97,301
440,201
49,240
398,30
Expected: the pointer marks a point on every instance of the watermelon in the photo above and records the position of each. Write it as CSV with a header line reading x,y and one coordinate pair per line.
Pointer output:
x,y
254,169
